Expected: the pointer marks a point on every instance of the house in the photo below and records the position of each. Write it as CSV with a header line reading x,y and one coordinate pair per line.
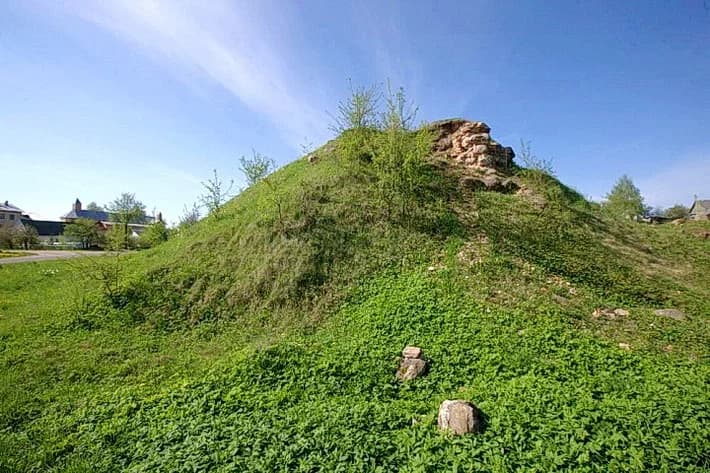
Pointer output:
x,y
9,214
48,232
700,210
104,219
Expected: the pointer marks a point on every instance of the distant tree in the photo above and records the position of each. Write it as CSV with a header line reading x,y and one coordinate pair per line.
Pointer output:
x,y
216,194
94,206
86,231
27,236
190,216
624,199
359,110
256,168
117,237
677,211
8,236
154,235
125,209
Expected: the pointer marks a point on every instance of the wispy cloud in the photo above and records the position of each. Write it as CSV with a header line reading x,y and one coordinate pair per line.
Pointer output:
x,y
678,182
230,44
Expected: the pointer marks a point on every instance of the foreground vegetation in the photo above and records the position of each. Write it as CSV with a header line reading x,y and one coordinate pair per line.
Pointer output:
x,y
265,338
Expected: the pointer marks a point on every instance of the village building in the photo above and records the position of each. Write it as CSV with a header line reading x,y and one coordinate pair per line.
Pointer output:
x,y
9,214
700,210
104,219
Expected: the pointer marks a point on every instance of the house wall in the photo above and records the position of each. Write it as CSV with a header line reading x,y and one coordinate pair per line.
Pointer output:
x,y
12,218
699,213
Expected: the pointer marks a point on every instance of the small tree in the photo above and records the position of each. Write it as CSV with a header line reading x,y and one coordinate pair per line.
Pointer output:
x,y
27,236
531,161
216,194
94,206
677,211
125,209
190,216
154,235
256,168
358,111
8,236
399,155
624,199
86,231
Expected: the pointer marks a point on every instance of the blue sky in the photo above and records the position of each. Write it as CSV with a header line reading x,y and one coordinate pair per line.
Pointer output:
x,y
99,98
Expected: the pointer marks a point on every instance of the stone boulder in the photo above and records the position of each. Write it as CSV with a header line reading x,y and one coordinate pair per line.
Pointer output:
x,y
674,314
459,417
411,365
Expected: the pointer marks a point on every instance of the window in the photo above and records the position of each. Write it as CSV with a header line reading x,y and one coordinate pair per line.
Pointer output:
x,y
12,216
2,216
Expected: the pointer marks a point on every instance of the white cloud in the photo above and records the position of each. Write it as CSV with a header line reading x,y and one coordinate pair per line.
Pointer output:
x,y
240,46
678,182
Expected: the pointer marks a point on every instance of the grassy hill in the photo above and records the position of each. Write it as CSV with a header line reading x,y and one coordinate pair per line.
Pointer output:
x,y
267,339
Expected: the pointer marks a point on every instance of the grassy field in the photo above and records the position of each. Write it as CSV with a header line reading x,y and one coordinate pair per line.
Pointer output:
x,y
12,254
268,342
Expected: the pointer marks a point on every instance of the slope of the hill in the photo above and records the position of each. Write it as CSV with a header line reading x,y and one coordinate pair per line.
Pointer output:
x,y
266,339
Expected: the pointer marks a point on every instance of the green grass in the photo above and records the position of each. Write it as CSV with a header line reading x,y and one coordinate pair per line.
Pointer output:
x,y
13,254
259,343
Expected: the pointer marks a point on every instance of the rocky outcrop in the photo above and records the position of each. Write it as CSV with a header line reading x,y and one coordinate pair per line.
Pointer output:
x,y
469,145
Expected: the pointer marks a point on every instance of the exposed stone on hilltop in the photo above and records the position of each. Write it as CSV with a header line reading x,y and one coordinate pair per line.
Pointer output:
x,y
469,144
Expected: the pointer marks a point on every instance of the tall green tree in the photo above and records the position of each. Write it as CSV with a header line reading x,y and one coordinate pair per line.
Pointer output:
x,y
677,211
126,209
86,231
624,199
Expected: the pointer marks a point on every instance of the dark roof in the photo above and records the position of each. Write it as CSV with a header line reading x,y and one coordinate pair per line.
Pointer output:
x,y
46,227
98,215
8,207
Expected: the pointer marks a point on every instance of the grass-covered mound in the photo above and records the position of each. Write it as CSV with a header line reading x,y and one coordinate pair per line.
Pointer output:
x,y
266,339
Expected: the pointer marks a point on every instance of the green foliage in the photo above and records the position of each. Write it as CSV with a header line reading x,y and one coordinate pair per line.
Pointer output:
x,y
216,194
624,200
358,111
85,231
676,211
124,210
8,237
155,234
190,216
267,339
531,161
256,168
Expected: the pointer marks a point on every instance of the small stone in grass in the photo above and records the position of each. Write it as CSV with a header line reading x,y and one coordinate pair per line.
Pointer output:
x,y
459,417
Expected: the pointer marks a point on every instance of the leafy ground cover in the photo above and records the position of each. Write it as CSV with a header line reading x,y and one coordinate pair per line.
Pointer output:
x,y
267,339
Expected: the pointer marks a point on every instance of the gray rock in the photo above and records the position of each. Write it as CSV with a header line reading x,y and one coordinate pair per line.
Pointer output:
x,y
674,314
411,368
412,352
459,417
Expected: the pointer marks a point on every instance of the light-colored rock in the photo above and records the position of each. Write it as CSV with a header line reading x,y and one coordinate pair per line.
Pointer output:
x,y
625,346
674,314
411,368
470,143
412,352
621,312
459,417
